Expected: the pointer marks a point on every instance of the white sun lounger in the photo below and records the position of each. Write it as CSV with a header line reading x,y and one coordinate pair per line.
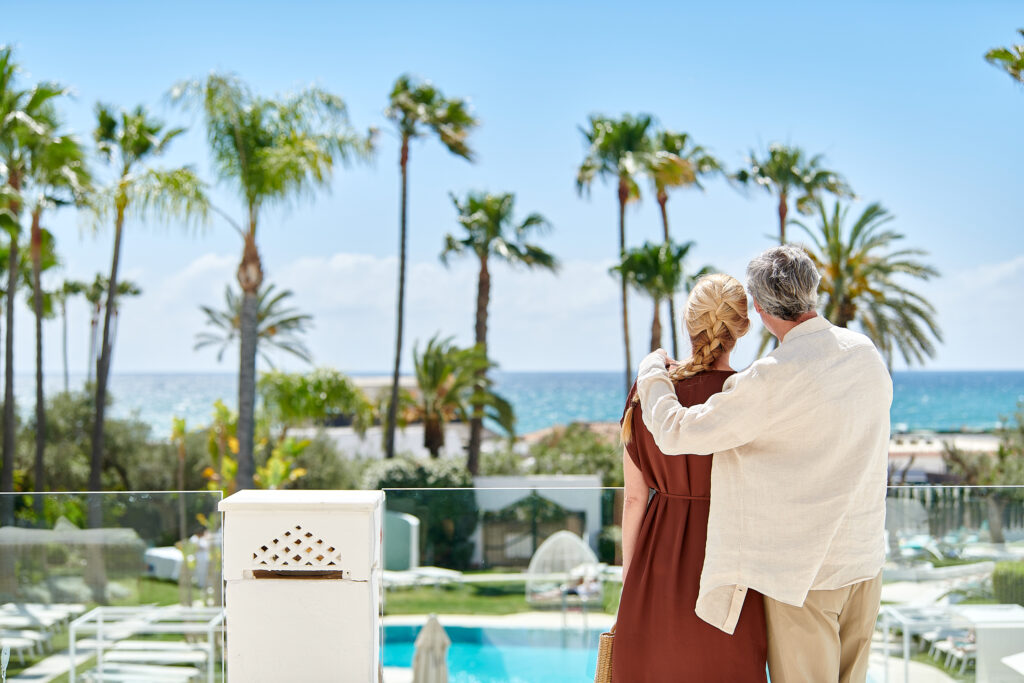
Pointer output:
x,y
19,646
136,673
16,621
166,645
197,657
41,638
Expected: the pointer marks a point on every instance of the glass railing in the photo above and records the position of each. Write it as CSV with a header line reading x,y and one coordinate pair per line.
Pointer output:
x,y
111,586
524,580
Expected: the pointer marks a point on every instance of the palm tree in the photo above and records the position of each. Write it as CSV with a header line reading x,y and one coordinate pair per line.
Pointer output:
x,y
278,326
418,109
1010,59
617,149
787,171
95,294
449,386
57,177
68,289
271,150
861,278
657,271
128,141
677,162
25,114
491,231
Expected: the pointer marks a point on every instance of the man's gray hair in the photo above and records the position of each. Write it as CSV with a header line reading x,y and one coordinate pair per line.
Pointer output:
x,y
784,281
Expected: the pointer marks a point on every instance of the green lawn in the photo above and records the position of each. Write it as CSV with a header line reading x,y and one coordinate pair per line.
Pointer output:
x,y
487,598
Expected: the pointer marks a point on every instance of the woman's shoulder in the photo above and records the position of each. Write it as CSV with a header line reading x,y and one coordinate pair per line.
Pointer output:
x,y
703,384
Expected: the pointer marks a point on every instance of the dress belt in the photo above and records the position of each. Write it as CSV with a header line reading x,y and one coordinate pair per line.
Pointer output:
x,y
680,495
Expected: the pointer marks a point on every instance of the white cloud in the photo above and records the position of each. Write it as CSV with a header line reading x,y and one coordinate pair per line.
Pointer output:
x,y
537,321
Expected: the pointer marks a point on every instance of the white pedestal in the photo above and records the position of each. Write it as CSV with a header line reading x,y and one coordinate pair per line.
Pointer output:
x,y
302,570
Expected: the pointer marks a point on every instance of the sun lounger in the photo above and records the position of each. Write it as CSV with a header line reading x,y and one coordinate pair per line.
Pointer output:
x,y
16,621
155,656
41,638
155,645
136,673
19,646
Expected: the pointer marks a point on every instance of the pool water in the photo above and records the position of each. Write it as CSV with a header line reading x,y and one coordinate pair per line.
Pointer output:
x,y
505,655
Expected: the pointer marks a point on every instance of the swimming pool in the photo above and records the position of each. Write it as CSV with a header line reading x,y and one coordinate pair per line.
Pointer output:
x,y
505,655
508,655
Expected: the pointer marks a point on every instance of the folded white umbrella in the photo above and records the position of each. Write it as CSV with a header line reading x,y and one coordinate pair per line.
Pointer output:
x,y
430,658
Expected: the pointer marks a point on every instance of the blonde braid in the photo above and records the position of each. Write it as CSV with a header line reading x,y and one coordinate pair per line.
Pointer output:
x,y
716,316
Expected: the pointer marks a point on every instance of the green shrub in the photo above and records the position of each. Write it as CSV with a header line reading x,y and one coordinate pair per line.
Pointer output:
x,y
447,518
579,449
326,467
1008,582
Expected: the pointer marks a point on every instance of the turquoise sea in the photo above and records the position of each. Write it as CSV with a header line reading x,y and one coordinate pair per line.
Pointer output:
x,y
932,400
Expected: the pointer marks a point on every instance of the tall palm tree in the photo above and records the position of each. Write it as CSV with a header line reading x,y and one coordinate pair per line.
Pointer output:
x,y
862,278
25,114
1009,59
278,326
57,177
617,149
271,150
95,294
68,289
676,163
419,109
786,172
449,384
128,141
491,231
655,270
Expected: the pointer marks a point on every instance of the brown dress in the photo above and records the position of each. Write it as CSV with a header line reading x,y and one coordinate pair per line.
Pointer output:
x,y
658,636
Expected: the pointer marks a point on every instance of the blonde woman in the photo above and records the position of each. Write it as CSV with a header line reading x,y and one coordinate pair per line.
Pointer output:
x,y
658,637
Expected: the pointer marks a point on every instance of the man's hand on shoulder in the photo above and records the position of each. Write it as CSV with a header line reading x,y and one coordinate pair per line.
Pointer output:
x,y
656,360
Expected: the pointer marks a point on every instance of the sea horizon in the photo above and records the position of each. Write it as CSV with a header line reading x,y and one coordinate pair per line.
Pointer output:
x,y
923,400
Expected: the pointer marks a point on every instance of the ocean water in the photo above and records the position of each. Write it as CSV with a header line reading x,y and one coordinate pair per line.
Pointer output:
x,y
923,400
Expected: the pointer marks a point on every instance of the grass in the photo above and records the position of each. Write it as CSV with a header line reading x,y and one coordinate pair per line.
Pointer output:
x,y
488,598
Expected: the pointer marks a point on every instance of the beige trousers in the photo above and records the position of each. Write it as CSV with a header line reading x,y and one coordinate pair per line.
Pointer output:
x,y
828,640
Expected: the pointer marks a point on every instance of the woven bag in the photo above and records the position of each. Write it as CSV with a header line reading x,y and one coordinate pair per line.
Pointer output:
x,y
603,674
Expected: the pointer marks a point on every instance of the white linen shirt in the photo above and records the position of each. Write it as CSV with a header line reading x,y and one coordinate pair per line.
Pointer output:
x,y
798,481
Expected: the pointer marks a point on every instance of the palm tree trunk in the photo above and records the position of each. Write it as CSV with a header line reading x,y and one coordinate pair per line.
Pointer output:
x,y
185,578
623,197
662,203
7,469
433,436
37,305
103,374
94,323
476,424
250,277
656,326
783,210
64,337
389,427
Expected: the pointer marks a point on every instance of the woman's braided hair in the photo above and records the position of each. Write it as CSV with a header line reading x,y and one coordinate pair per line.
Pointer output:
x,y
716,317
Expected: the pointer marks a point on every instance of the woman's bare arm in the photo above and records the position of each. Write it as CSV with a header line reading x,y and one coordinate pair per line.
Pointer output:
x,y
633,509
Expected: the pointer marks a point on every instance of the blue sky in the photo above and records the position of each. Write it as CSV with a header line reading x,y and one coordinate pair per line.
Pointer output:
x,y
896,95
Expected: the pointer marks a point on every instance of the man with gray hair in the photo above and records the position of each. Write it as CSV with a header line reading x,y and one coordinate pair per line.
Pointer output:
x,y
800,442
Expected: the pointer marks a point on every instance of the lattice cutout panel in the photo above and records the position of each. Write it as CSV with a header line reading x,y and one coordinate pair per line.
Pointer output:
x,y
297,548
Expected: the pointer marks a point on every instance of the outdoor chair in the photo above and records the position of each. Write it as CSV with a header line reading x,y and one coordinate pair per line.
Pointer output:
x,y
129,673
19,646
41,638
931,639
